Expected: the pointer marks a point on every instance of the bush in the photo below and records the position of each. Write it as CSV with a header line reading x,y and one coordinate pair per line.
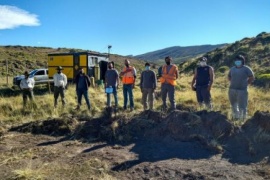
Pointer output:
x,y
223,69
263,80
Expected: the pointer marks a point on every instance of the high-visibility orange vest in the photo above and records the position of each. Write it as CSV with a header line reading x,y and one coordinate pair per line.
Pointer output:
x,y
128,77
169,77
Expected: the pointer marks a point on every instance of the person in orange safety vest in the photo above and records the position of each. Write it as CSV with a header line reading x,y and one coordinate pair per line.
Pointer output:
x,y
169,74
128,79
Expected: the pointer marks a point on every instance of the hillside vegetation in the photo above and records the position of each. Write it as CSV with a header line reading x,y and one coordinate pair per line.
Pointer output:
x,y
21,58
256,51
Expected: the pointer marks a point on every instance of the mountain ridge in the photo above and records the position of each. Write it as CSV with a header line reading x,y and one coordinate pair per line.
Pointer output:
x,y
178,52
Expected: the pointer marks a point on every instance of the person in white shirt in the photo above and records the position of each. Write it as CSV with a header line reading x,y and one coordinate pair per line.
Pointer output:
x,y
27,84
60,82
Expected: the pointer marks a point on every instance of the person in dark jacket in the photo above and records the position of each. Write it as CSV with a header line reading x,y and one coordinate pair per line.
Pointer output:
x,y
82,84
148,84
202,83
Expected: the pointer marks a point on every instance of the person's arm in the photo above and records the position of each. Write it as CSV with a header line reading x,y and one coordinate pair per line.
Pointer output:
x,y
194,80
141,80
117,78
21,84
65,80
250,76
155,80
212,77
177,72
135,75
229,76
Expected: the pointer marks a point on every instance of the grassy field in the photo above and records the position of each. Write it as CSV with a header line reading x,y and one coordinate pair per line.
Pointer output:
x,y
11,100
12,113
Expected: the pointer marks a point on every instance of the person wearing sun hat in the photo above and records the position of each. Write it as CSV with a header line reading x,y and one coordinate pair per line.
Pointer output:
x,y
60,82
240,76
27,84
202,82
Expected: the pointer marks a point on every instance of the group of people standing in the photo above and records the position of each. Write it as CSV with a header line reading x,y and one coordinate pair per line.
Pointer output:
x,y
239,76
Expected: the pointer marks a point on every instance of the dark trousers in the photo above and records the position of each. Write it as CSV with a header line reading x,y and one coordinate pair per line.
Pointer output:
x,y
59,91
128,93
80,93
203,96
27,94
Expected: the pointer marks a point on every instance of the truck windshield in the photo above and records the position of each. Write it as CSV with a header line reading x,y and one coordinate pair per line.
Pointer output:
x,y
32,72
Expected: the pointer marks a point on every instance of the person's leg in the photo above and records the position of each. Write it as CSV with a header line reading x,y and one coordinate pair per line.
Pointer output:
x,y
24,98
62,94
243,103
207,97
86,97
79,96
115,96
144,98
151,98
171,93
199,96
56,95
125,95
108,99
164,92
234,104
130,94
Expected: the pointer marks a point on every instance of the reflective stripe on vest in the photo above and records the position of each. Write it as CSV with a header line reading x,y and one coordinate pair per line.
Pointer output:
x,y
128,77
169,77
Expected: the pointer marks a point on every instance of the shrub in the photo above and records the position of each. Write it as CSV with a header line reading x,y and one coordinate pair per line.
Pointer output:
x,y
223,69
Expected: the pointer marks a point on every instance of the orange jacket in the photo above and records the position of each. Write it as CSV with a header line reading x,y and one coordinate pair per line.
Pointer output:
x,y
128,77
169,77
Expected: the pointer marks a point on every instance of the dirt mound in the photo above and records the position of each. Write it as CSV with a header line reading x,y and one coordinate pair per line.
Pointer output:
x,y
251,142
211,129
53,127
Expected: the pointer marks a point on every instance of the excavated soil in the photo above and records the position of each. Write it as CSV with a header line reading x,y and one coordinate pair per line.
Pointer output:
x,y
151,145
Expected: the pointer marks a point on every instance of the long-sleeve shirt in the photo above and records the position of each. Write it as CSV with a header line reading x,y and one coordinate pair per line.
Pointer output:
x,y
60,80
28,83
148,79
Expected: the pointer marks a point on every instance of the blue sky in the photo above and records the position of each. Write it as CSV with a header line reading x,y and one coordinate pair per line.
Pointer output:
x,y
132,27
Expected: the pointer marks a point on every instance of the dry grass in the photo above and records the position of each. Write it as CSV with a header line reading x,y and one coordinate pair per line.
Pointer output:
x,y
11,107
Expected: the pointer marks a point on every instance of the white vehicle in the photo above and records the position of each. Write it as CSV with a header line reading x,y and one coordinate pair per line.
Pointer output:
x,y
40,76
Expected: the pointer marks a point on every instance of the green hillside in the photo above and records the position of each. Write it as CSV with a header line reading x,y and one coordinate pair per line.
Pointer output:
x,y
256,50
21,58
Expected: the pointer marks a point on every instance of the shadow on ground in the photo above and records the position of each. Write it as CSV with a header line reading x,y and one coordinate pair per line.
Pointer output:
x,y
156,136
15,91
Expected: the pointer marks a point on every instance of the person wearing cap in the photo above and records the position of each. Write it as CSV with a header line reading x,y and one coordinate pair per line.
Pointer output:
x,y
169,74
27,84
148,84
60,83
112,81
82,81
202,82
240,76
128,79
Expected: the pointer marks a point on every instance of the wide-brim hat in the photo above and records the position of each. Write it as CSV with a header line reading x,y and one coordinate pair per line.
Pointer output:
x,y
59,68
26,73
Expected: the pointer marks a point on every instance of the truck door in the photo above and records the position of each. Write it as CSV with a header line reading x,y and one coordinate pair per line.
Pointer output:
x,y
76,64
40,75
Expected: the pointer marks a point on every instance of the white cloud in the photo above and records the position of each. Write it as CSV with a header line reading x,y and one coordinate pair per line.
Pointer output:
x,y
12,17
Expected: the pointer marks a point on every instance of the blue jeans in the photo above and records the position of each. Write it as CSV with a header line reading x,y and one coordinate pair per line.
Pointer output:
x,y
83,92
128,93
115,97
